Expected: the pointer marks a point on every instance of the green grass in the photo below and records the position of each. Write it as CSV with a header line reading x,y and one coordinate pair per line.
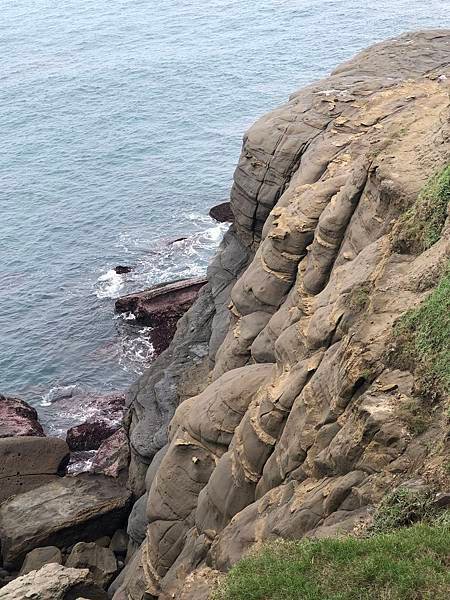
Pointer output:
x,y
420,227
408,564
422,341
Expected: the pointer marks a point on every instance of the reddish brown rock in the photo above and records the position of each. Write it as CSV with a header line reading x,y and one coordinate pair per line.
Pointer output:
x,y
17,418
113,455
160,307
222,213
105,415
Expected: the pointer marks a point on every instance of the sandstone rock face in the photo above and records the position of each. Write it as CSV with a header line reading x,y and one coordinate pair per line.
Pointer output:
x,y
40,557
53,582
18,418
60,513
101,562
29,462
290,422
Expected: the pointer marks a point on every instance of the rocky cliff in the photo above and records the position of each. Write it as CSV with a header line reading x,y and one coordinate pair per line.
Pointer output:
x,y
294,396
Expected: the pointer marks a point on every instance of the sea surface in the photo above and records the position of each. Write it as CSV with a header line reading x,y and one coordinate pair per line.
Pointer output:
x,y
121,124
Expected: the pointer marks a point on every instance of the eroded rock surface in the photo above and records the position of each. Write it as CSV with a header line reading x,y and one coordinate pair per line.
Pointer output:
x,y
61,513
290,423
18,418
53,582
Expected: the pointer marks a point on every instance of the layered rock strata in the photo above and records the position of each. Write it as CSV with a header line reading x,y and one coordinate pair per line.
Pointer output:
x,y
289,419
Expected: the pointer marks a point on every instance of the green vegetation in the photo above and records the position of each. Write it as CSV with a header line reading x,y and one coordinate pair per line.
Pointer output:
x,y
422,341
402,507
358,298
420,227
407,564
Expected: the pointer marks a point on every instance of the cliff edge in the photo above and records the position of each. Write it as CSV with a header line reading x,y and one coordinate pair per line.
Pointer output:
x,y
311,376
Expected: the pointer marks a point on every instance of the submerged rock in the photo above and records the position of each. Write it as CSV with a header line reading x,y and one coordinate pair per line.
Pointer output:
x,y
122,269
18,418
160,308
60,513
54,582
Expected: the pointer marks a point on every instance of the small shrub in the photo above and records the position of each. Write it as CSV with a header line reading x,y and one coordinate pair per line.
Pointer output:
x,y
421,341
420,227
358,298
403,507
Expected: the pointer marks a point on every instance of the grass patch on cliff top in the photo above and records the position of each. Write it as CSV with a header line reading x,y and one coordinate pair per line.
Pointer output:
x,y
407,564
421,225
422,340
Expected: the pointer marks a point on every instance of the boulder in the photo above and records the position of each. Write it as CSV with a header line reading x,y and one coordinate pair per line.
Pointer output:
x,y
89,435
62,512
137,521
18,418
122,269
54,582
222,213
105,414
39,557
100,561
160,307
112,457
119,542
29,462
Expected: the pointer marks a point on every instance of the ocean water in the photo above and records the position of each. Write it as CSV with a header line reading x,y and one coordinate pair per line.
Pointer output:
x,y
121,123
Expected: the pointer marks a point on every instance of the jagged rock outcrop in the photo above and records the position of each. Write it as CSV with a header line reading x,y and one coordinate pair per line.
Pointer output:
x,y
292,421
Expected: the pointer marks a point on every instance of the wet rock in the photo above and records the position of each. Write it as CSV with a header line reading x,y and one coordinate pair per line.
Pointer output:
x,y
89,435
160,308
119,542
17,418
61,512
29,462
112,458
122,269
100,561
39,557
222,213
105,417
54,582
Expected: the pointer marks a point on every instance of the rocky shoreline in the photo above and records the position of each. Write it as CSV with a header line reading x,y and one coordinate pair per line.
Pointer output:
x,y
284,406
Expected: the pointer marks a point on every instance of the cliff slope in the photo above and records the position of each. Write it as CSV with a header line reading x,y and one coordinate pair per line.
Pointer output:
x,y
304,393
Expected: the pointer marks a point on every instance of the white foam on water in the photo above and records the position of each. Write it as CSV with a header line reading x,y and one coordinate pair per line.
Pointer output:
x,y
109,285
58,392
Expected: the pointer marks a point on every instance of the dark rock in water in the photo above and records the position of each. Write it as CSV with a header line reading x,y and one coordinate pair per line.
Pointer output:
x,y
29,462
101,562
222,213
180,239
112,457
160,307
39,557
61,513
104,412
122,269
18,418
90,435
54,582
